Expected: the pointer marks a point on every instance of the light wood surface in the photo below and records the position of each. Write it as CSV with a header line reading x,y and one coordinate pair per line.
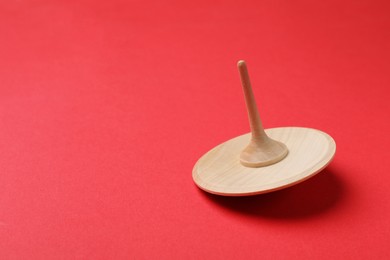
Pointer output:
x,y
261,150
220,172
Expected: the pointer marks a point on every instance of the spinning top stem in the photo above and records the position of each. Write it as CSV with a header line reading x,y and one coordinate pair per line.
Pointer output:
x,y
262,150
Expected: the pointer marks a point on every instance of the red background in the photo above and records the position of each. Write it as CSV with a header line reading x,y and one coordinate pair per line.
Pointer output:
x,y
105,106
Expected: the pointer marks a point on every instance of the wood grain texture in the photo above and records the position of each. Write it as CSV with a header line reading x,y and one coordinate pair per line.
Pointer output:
x,y
220,172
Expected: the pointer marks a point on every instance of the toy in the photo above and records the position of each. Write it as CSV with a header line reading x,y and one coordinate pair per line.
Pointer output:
x,y
264,160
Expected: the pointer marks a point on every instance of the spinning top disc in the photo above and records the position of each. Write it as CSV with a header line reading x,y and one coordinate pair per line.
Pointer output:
x,y
262,161
220,172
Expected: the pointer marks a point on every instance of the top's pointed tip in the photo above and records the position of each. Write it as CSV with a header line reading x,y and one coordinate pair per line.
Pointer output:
x,y
241,63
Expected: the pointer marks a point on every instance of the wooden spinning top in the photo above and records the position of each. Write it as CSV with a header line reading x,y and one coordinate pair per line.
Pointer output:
x,y
263,160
